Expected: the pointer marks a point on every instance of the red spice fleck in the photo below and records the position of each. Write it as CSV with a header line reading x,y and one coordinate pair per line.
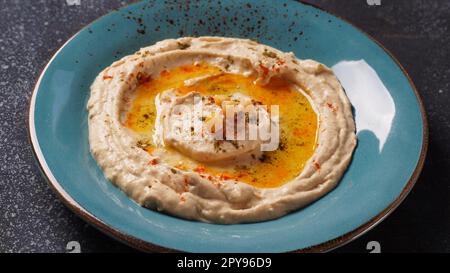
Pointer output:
x,y
265,70
224,177
142,78
107,77
164,73
280,61
141,64
211,100
187,69
130,77
153,162
210,178
200,169
186,184
317,165
331,107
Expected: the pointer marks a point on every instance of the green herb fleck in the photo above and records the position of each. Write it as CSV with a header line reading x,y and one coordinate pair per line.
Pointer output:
x,y
269,54
183,46
143,144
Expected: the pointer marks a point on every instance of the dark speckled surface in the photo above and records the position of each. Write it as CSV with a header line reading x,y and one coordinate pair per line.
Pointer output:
x,y
32,219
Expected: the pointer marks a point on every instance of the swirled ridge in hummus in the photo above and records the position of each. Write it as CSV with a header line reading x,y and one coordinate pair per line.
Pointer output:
x,y
219,181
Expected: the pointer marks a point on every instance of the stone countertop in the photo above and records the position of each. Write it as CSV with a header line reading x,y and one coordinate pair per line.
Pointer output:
x,y
32,219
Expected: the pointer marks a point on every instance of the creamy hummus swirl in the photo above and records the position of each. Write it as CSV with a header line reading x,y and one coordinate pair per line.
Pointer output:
x,y
188,194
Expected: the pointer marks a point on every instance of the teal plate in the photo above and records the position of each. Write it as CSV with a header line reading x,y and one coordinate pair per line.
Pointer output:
x,y
391,123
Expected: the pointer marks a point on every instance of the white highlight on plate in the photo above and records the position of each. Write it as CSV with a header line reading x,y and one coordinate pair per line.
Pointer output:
x,y
374,106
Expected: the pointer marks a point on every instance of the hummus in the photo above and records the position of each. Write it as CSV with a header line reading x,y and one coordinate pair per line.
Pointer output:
x,y
139,107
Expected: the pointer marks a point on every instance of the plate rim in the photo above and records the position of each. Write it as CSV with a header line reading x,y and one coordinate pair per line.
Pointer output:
x,y
143,245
